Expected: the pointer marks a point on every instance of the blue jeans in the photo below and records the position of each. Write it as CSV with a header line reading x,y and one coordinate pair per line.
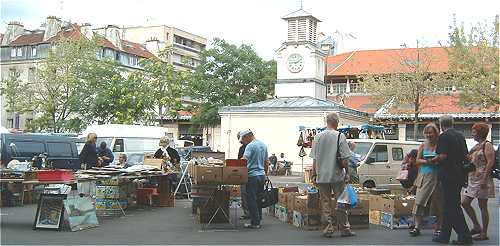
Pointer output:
x,y
255,187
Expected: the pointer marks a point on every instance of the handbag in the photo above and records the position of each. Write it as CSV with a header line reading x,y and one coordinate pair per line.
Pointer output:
x,y
302,152
403,175
269,196
300,142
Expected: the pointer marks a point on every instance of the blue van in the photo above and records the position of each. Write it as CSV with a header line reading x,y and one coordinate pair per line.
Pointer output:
x,y
61,151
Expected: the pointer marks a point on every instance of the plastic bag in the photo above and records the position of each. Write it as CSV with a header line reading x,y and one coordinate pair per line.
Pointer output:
x,y
348,197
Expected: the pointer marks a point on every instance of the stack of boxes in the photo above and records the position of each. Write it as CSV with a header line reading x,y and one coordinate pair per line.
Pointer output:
x,y
112,195
303,210
208,195
391,211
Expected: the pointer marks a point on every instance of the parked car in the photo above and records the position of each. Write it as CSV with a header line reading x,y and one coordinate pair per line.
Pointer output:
x,y
60,151
381,160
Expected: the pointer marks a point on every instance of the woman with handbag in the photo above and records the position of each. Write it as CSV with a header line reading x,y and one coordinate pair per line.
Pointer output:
x,y
428,191
481,186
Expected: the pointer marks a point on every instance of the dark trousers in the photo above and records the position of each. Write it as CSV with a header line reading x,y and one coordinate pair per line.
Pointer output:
x,y
453,216
244,205
255,187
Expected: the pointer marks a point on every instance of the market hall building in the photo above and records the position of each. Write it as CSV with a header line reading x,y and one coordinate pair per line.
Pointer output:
x,y
300,98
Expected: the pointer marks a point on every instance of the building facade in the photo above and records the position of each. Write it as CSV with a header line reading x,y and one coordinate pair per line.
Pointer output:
x,y
23,50
299,101
344,71
185,47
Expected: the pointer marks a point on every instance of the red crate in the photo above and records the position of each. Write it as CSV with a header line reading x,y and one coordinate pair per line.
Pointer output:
x,y
55,175
236,162
144,195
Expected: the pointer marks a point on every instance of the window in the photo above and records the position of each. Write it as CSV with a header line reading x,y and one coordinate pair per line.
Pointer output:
x,y
33,52
27,148
29,121
13,52
119,146
356,88
141,144
339,88
59,149
10,123
379,153
19,52
397,154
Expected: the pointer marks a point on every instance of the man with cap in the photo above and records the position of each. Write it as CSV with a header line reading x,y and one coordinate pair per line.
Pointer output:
x,y
257,158
243,191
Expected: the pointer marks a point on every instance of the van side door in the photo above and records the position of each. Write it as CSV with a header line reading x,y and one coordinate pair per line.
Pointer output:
x,y
379,164
397,156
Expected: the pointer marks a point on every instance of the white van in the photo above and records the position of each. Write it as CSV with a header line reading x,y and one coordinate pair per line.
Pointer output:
x,y
133,140
381,160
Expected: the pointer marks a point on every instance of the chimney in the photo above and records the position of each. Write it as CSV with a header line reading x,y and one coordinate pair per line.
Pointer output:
x,y
113,34
52,27
86,29
153,46
14,30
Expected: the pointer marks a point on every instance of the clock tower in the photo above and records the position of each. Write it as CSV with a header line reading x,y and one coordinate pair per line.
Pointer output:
x,y
300,60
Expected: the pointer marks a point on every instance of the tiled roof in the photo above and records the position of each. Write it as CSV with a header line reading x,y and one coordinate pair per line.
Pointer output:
x,y
136,49
73,32
27,39
433,105
292,104
386,61
297,14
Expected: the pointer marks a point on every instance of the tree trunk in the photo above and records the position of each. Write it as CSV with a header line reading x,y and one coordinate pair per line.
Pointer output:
x,y
415,121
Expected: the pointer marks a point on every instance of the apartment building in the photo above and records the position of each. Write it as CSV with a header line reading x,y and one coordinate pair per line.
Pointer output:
x,y
22,50
185,47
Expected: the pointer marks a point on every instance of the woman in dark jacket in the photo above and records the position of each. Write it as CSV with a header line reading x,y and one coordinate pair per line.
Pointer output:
x,y
88,156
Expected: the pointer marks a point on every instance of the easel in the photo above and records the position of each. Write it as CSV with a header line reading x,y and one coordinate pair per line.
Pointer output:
x,y
185,178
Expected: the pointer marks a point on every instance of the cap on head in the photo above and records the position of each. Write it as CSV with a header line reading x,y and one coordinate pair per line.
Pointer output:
x,y
244,133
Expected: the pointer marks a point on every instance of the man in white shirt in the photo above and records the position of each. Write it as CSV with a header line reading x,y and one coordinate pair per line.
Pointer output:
x,y
330,175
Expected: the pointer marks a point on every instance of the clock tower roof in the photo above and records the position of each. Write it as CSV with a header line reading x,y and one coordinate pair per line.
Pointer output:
x,y
298,14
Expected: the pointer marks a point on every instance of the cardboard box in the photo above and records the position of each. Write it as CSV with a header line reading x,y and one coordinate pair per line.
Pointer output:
x,y
376,202
290,189
306,221
359,221
236,163
235,191
362,208
282,199
291,199
234,175
154,162
396,221
282,213
374,217
208,174
398,206
302,204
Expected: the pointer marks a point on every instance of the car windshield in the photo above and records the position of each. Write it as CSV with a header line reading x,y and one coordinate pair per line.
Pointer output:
x,y
362,149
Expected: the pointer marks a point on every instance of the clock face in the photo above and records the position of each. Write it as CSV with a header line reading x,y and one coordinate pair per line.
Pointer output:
x,y
295,63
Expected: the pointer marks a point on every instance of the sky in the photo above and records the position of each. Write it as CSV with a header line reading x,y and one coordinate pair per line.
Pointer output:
x,y
363,24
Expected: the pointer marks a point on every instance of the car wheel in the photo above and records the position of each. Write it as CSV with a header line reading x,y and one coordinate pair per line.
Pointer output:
x,y
369,184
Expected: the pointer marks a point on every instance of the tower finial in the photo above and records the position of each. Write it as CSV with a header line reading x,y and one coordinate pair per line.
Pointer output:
x,y
301,3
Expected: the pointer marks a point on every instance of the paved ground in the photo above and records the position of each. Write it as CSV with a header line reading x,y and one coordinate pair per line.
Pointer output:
x,y
177,226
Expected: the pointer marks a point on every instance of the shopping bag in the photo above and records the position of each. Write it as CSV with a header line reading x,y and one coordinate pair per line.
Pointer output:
x,y
269,196
348,198
353,197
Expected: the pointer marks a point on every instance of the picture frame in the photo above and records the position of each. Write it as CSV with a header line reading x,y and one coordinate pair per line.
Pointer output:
x,y
80,213
50,212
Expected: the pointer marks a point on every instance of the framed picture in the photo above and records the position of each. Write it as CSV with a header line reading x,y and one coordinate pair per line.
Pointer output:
x,y
49,213
80,213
